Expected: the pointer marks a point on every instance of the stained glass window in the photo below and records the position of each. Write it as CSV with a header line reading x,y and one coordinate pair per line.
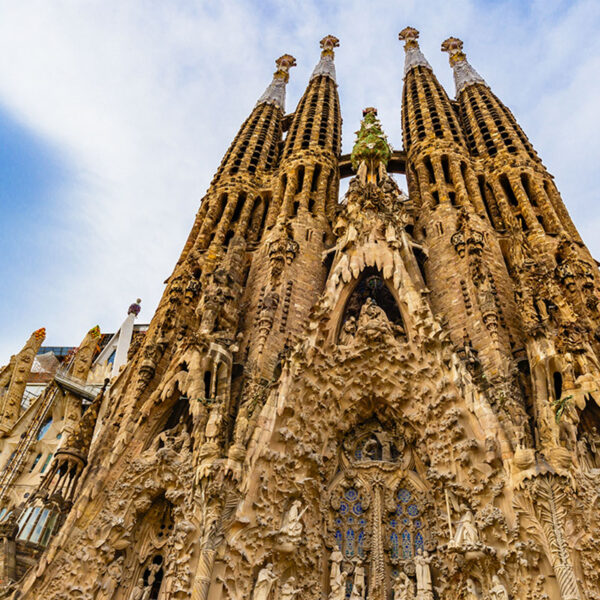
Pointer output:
x,y
350,524
405,526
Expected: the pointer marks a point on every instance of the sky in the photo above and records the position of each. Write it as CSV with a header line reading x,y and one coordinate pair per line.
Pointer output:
x,y
114,115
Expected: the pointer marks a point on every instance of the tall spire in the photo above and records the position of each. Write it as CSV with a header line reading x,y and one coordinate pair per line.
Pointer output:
x,y
275,92
326,65
464,73
414,56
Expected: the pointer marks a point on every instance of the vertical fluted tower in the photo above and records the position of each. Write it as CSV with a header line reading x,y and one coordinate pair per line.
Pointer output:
x,y
554,273
519,192
288,272
230,219
465,270
237,202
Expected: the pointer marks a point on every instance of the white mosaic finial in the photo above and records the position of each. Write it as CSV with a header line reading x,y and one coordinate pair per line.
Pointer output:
x,y
464,73
414,56
326,65
275,93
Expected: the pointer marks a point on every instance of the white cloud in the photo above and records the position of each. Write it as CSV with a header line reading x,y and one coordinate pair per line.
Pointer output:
x,y
144,98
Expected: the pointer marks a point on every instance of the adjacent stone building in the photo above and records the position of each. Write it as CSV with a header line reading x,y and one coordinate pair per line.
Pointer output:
x,y
395,396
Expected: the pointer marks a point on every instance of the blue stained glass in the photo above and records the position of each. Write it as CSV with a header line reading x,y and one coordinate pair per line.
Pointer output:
x,y
357,509
362,522
405,521
343,507
351,494
350,519
403,495
406,544
338,538
418,524
350,542
419,540
338,521
358,454
348,588
399,509
393,522
361,540
412,510
395,544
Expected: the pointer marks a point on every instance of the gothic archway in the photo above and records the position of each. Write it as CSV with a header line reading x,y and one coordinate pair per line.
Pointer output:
x,y
378,509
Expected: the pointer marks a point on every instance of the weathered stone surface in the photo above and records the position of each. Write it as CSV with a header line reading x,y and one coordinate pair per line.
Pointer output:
x,y
395,396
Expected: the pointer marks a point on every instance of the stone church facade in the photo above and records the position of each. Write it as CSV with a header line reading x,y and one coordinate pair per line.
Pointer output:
x,y
395,396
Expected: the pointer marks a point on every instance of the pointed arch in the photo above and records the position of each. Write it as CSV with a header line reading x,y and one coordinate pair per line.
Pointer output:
x,y
370,284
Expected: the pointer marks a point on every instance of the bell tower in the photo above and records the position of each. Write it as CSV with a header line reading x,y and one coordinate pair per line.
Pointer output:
x,y
387,396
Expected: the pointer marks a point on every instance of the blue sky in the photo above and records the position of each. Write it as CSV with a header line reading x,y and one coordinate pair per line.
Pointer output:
x,y
114,115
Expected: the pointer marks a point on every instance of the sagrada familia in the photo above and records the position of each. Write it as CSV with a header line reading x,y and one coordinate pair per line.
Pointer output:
x,y
391,397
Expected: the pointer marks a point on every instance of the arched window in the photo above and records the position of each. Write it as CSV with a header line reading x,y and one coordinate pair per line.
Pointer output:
x,y
36,460
350,524
46,462
36,525
44,428
372,285
405,526
152,577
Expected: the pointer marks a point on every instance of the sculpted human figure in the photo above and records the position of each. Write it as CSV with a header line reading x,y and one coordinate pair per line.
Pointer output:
x,y
264,582
498,591
292,524
348,331
358,584
371,449
403,587
466,530
288,591
337,577
140,591
471,590
423,573
373,322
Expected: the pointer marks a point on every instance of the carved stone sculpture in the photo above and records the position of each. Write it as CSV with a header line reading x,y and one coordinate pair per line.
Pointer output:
x,y
423,575
498,591
264,582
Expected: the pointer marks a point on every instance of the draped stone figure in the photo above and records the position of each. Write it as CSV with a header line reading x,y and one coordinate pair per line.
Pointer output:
x,y
466,530
404,588
498,590
423,573
264,582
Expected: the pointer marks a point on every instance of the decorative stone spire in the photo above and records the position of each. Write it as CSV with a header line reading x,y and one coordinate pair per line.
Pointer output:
x,y
464,73
326,65
371,151
22,363
414,56
79,440
275,92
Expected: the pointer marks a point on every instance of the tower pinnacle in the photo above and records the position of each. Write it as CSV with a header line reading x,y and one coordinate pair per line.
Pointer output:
x,y
414,56
326,65
275,92
464,73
